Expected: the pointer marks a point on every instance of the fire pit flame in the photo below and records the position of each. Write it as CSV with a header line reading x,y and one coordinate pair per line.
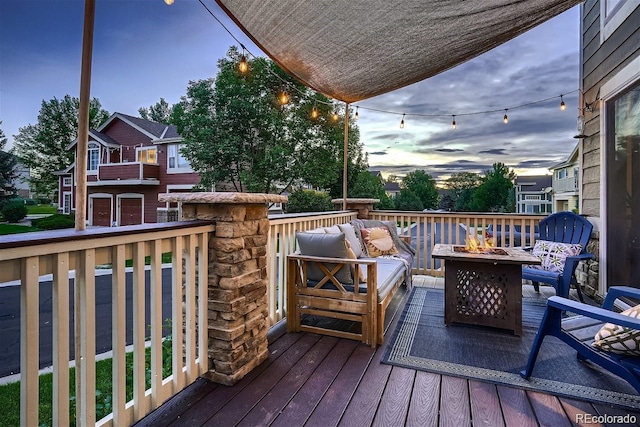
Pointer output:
x,y
473,244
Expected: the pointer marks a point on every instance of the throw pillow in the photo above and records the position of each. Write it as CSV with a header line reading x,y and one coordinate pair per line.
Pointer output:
x,y
334,229
554,254
619,339
325,245
354,241
378,241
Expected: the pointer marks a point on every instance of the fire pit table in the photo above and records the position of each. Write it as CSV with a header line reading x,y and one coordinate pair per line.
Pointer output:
x,y
483,287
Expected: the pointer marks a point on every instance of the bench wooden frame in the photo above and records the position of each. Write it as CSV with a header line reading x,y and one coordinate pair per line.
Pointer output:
x,y
339,303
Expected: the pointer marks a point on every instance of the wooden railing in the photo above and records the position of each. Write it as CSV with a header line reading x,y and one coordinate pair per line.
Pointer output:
x,y
282,242
428,228
26,258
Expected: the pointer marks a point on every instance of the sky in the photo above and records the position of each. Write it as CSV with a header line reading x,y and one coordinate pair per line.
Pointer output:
x,y
144,50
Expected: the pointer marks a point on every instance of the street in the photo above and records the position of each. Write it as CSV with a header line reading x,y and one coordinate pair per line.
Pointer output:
x,y
10,318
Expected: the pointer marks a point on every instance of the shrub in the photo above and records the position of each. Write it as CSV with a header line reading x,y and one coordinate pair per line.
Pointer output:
x,y
309,201
43,201
30,202
54,222
14,211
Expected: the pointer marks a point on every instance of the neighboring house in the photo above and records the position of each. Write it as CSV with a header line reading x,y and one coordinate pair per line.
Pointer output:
x,y
610,149
533,194
129,162
565,195
391,188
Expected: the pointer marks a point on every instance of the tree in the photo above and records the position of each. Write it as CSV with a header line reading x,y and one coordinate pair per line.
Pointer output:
x,y
160,112
368,186
43,147
7,170
309,201
236,132
407,200
447,203
493,194
424,186
462,186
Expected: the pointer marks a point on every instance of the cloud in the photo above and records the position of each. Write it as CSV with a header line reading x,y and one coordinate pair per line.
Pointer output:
x,y
377,153
494,151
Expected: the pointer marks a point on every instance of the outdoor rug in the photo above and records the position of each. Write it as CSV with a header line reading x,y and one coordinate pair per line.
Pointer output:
x,y
422,341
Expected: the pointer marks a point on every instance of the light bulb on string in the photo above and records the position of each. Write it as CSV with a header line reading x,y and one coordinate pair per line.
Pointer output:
x,y
168,2
356,115
335,116
402,121
505,119
314,112
453,123
243,67
563,106
283,98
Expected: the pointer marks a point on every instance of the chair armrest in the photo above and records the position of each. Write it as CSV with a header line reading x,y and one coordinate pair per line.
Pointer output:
x,y
616,292
581,257
593,312
310,258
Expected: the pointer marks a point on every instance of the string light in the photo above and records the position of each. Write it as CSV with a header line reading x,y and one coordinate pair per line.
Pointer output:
x,y
453,123
402,121
168,2
314,112
284,98
357,116
335,116
563,106
505,119
243,67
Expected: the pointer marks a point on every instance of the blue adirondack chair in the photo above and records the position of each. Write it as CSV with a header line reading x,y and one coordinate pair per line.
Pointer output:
x,y
579,332
565,227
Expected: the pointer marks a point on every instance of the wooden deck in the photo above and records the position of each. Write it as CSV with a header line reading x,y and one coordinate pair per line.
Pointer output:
x,y
313,380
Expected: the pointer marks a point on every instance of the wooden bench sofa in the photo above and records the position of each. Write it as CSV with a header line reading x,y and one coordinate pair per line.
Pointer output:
x,y
321,280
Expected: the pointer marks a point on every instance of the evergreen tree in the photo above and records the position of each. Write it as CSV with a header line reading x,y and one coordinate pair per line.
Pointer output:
x,y
8,172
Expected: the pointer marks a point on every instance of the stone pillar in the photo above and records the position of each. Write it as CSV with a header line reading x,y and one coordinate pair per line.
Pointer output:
x,y
363,206
237,306
588,271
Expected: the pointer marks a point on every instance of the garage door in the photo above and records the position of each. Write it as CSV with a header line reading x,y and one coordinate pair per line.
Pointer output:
x,y
101,212
130,211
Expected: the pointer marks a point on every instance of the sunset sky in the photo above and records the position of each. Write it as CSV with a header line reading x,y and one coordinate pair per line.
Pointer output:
x,y
145,50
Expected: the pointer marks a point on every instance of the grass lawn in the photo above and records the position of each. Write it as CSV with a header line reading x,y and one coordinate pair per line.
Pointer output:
x,y
13,229
41,209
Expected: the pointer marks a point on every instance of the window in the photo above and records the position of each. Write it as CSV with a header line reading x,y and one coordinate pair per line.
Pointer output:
x,y
93,157
612,14
175,158
561,173
147,155
622,152
66,181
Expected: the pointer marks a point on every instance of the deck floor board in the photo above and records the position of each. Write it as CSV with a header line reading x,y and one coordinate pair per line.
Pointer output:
x,y
312,380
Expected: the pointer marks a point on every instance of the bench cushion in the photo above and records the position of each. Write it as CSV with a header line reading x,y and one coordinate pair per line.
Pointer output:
x,y
325,245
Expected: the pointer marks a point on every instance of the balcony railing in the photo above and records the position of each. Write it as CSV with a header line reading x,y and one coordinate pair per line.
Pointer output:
x,y
26,258
565,185
128,171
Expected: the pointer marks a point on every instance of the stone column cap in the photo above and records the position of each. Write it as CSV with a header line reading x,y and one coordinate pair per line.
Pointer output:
x,y
222,197
356,201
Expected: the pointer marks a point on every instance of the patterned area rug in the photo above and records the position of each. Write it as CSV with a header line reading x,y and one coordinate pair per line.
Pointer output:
x,y
422,341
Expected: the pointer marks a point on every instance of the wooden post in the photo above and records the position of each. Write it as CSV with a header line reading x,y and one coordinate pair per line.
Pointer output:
x,y
81,194
345,156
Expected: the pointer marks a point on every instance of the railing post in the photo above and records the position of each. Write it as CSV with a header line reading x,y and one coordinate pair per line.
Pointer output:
x,y
237,296
363,206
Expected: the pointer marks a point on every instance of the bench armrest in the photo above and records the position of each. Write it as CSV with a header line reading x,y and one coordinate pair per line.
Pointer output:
x,y
593,312
332,260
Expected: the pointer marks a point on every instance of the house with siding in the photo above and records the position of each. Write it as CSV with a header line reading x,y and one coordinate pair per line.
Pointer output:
x,y
533,194
129,162
565,176
609,125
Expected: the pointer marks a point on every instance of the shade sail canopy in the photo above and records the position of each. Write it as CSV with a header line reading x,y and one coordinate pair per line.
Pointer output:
x,y
352,50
